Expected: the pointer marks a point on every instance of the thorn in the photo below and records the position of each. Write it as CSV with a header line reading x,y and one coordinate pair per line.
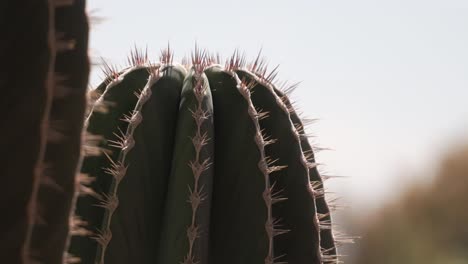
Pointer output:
x,y
287,88
84,178
214,59
78,227
341,239
123,142
109,202
195,198
312,165
235,62
137,57
272,228
325,225
262,114
91,144
167,55
326,177
276,196
103,237
116,169
198,169
317,188
85,190
110,71
199,60
257,63
134,118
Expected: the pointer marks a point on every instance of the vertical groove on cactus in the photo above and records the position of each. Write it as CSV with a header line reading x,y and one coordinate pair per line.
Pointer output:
x,y
197,165
185,230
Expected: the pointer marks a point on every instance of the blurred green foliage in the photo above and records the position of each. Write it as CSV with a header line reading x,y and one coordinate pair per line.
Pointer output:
x,y
428,224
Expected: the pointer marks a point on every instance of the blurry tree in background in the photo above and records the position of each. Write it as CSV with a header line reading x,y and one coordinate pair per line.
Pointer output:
x,y
428,224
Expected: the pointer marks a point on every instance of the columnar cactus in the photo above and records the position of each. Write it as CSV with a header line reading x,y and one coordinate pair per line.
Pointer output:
x,y
199,163
43,81
55,195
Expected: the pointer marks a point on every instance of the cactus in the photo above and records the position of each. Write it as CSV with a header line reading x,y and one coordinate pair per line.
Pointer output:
x,y
198,163
43,80
62,154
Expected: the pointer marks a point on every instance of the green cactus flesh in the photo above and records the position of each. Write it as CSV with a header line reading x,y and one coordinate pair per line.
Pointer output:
x,y
206,164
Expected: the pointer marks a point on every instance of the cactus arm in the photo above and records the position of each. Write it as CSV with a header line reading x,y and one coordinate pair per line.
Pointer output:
x,y
27,52
239,213
297,213
137,221
186,217
63,148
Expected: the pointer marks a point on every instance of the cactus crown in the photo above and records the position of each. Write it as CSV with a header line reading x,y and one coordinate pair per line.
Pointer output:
x,y
198,162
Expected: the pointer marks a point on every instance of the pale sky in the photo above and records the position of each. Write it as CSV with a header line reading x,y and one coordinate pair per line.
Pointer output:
x,y
387,79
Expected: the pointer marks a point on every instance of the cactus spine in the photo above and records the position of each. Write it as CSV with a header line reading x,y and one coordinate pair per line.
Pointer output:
x,y
207,164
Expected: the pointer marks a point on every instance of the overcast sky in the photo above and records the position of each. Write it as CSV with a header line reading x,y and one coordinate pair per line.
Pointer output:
x,y
387,79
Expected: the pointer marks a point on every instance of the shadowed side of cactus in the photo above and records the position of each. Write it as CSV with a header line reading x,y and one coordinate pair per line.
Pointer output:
x,y
64,135
44,54
26,49
204,165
